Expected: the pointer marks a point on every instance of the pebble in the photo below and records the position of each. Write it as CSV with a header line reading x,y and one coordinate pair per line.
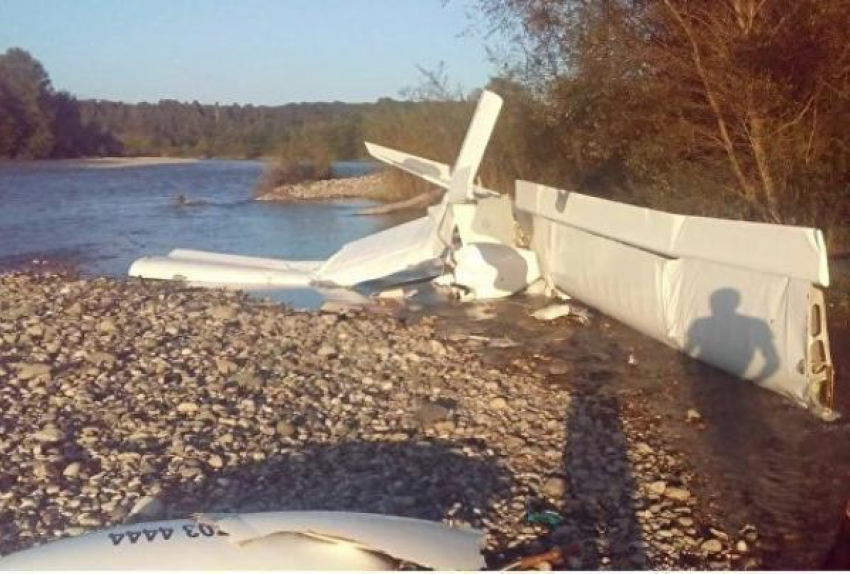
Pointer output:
x,y
147,507
187,408
712,546
658,487
693,416
498,404
558,367
72,470
431,413
27,371
284,429
678,494
49,434
555,487
223,312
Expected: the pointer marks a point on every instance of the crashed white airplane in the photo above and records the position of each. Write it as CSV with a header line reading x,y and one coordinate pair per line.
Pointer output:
x,y
485,234
742,296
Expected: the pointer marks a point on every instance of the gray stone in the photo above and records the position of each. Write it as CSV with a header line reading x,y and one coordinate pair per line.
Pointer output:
x,y
712,546
678,494
693,416
658,487
225,366
430,414
187,408
49,434
284,429
27,371
555,487
223,312
326,351
72,470
499,404
558,367
147,507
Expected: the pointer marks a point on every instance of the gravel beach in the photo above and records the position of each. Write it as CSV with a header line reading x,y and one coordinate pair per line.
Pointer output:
x,y
123,400
365,186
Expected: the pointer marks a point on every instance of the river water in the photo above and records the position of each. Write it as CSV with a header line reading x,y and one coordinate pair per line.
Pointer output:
x,y
100,219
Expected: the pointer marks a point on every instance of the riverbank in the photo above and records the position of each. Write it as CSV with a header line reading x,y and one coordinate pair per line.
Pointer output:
x,y
104,162
130,400
370,186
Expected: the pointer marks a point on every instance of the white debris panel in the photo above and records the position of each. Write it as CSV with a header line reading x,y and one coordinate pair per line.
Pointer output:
x,y
740,296
222,269
385,253
262,541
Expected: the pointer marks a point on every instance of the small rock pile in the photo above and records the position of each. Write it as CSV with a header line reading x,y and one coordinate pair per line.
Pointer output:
x,y
124,401
366,186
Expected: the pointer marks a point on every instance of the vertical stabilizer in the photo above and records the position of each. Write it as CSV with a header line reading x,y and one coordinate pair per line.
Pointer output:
x,y
474,144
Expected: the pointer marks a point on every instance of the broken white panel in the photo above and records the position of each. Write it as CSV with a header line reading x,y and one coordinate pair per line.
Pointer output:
x,y
781,249
492,271
749,322
214,269
623,282
384,253
489,220
262,541
265,262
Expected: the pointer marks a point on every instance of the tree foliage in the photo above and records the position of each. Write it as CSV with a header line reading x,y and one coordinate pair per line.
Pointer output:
x,y
38,122
724,107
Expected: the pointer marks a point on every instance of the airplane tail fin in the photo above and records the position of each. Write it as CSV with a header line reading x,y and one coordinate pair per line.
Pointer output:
x,y
474,144
460,179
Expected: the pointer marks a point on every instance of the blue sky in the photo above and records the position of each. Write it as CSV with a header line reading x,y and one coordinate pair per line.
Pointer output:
x,y
245,51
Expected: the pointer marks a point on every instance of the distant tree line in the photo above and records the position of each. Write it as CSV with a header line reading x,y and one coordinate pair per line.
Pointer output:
x,y
37,122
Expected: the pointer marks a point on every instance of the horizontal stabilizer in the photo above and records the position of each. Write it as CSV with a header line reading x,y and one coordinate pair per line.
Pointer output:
x,y
431,171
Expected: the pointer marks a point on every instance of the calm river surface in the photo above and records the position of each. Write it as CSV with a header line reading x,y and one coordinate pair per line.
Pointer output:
x,y
101,219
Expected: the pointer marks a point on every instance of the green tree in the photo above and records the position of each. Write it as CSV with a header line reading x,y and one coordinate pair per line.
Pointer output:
x,y
26,95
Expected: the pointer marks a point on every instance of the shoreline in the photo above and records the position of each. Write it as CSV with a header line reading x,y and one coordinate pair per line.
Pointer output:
x,y
116,162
